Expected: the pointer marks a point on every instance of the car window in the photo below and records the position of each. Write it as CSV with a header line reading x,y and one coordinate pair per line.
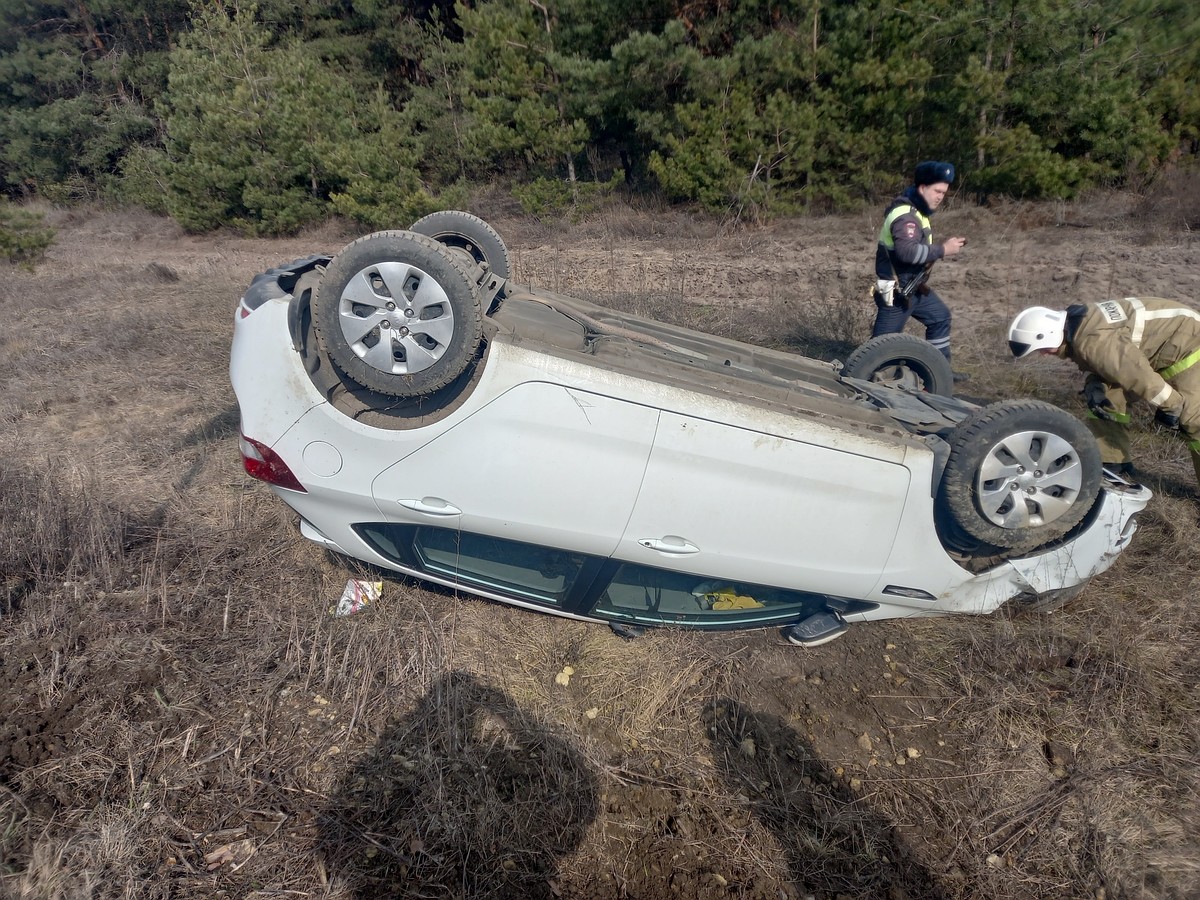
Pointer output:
x,y
523,570
657,596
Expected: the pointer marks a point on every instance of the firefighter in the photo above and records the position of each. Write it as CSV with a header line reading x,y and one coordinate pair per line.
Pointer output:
x,y
905,254
1143,347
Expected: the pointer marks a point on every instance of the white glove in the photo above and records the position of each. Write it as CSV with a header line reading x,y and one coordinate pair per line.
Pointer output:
x,y
887,289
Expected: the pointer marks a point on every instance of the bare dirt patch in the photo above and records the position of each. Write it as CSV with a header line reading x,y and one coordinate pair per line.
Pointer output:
x,y
183,718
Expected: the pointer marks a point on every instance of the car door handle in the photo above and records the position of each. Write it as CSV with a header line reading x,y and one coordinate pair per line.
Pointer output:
x,y
670,543
434,506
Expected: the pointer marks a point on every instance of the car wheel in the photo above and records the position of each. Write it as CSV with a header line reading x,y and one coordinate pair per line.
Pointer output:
x,y
902,360
398,314
469,236
1020,474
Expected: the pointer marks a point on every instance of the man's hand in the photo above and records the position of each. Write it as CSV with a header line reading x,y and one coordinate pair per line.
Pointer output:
x,y
1167,418
951,246
1168,414
1095,395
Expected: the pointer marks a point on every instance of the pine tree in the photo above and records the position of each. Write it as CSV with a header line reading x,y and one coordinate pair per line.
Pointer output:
x,y
260,138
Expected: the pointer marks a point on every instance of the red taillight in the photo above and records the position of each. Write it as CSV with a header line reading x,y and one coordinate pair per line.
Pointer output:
x,y
265,464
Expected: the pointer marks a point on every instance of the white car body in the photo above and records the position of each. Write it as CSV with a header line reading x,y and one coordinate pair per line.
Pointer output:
x,y
732,470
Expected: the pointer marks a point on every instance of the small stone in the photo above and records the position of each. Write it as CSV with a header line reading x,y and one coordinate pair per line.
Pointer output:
x,y
748,747
592,713
1059,754
912,753
856,784
864,741
995,861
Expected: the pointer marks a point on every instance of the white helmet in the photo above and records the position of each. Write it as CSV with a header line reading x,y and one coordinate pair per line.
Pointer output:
x,y
1036,328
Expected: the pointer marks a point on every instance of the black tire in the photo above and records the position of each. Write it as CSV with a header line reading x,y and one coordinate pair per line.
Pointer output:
x,y
399,349
1020,474
467,235
902,360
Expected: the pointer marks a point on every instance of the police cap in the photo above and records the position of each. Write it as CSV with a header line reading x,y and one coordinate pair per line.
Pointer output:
x,y
931,172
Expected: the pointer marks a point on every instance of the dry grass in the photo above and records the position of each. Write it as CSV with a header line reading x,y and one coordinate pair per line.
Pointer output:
x,y
184,718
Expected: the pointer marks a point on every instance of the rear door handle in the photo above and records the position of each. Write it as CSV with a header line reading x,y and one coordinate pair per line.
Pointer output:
x,y
434,506
670,543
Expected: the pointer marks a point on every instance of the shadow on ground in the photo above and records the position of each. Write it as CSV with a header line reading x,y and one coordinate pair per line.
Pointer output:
x,y
467,796
836,845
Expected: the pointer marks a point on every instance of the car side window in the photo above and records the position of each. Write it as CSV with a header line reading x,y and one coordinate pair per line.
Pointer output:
x,y
523,570
657,596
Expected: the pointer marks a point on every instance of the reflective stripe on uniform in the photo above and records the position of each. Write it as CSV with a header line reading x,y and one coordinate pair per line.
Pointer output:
x,y
1135,333
1141,316
1122,418
1162,396
1186,363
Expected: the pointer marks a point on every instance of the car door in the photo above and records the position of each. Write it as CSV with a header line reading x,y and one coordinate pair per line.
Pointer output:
x,y
723,502
541,464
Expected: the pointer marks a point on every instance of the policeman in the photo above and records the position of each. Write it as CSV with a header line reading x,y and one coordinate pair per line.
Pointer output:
x,y
1143,347
905,254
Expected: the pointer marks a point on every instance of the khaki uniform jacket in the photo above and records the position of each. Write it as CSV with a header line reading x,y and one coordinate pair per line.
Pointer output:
x,y
1137,344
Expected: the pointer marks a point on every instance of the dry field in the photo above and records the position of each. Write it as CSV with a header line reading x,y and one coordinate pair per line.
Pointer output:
x,y
183,718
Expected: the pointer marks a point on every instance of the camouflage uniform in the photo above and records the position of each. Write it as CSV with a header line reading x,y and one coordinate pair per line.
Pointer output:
x,y
1140,347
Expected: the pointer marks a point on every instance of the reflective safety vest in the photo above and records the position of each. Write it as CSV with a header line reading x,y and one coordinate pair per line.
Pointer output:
x,y
885,233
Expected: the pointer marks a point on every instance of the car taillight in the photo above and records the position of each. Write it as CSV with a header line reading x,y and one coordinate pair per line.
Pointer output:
x,y
263,463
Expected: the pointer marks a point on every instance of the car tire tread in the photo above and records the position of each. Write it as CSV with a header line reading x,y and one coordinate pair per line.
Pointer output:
x,y
891,349
970,442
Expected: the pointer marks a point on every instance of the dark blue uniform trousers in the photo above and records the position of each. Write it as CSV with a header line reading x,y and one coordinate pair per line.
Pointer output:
x,y
928,309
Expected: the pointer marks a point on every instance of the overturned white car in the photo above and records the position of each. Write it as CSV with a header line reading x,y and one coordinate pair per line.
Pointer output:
x,y
423,413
